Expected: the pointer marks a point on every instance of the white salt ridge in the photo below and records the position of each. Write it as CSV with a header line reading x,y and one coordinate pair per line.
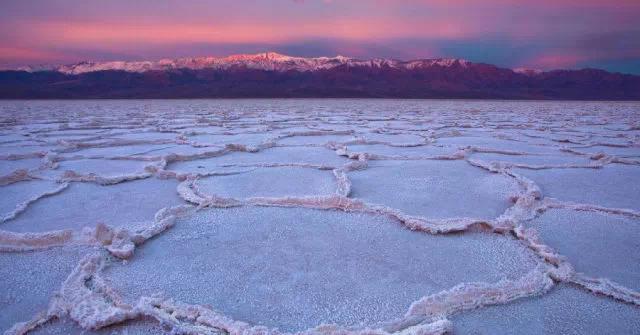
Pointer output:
x,y
477,184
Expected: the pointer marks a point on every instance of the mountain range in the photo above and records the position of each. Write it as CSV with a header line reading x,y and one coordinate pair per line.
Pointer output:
x,y
273,75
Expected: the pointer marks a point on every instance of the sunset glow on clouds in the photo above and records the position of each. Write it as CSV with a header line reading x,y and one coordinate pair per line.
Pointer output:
x,y
543,34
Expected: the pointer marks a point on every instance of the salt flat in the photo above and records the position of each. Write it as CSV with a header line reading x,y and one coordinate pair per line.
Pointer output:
x,y
319,217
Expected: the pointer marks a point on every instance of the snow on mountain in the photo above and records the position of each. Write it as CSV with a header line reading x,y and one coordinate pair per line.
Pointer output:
x,y
527,71
270,61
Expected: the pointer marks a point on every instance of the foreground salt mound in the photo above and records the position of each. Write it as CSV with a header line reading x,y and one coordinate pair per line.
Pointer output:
x,y
295,268
87,204
598,245
614,185
30,279
564,310
434,188
270,182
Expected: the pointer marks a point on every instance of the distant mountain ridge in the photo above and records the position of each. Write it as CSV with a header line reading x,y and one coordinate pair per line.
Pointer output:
x,y
268,61
273,75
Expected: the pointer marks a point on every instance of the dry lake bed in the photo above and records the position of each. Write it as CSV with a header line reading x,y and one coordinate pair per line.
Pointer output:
x,y
265,217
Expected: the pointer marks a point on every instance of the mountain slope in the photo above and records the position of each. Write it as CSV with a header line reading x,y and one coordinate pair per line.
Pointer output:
x,y
276,75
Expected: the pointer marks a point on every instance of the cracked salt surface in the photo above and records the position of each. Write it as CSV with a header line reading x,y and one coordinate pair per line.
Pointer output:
x,y
295,268
303,156
17,196
564,310
30,279
395,151
535,161
102,167
496,143
87,204
626,151
22,164
270,182
323,217
315,139
136,327
434,188
599,245
614,185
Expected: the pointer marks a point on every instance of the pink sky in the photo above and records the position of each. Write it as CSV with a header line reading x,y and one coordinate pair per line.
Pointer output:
x,y
544,34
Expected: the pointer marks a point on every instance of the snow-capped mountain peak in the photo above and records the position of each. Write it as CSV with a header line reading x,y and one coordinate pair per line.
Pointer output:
x,y
270,61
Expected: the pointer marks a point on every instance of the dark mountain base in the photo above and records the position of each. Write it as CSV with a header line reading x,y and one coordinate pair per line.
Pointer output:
x,y
480,81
